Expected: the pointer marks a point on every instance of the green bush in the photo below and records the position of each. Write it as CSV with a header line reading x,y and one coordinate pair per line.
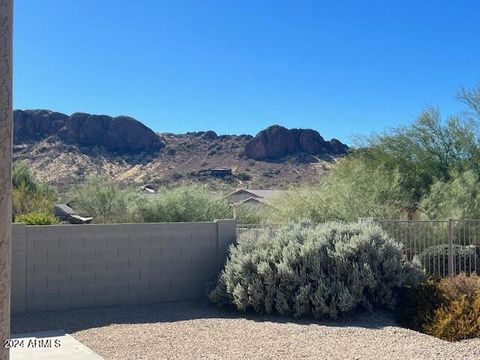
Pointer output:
x,y
459,317
435,259
448,308
314,270
22,176
37,219
105,200
352,189
457,198
28,194
247,214
185,203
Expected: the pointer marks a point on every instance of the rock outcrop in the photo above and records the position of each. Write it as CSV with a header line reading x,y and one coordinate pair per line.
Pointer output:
x,y
276,142
116,134
336,147
30,125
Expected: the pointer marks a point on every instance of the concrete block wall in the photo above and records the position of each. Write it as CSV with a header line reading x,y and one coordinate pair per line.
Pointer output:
x,y
71,266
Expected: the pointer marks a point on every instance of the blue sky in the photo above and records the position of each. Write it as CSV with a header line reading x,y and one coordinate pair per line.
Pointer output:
x,y
342,67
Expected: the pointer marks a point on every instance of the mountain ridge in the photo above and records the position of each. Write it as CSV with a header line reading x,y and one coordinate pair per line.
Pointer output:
x,y
63,149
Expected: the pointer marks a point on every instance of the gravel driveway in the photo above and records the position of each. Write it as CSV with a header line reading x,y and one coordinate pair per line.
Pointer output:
x,y
198,331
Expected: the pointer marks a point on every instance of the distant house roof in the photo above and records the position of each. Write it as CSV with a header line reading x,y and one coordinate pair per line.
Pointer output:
x,y
63,211
66,213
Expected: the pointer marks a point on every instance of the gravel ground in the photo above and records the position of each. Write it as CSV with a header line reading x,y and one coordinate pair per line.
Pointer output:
x,y
197,331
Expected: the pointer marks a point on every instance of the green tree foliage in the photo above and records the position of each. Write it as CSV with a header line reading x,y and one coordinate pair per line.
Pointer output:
x,y
23,177
471,98
28,194
457,198
353,189
432,165
247,214
185,203
314,270
105,200
426,151
430,150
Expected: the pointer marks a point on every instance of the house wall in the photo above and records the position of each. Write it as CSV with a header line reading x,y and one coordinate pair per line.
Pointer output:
x,y
73,266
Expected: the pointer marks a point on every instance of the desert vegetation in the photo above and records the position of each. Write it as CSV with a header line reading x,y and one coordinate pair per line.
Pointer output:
x,y
336,269
322,270
322,262
429,169
185,203
448,308
32,200
317,268
107,201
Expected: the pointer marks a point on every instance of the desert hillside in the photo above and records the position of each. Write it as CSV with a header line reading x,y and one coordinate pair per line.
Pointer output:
x,y
62,150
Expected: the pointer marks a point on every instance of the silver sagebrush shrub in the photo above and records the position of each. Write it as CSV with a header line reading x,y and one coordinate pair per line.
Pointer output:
x,y
314,270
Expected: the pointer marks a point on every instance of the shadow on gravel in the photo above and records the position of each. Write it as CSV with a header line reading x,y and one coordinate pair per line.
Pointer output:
x,y
80,319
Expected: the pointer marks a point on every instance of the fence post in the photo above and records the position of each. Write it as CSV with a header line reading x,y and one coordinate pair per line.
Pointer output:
x,y
451,270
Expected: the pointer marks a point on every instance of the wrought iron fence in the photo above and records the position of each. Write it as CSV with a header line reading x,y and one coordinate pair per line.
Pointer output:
x,y
441,247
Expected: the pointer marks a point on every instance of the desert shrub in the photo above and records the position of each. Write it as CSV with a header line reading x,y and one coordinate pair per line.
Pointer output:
x,y
185,203
389,174
458,198
435,259
459,317
28,194
353,189
37,219
246,214
105,200
448,308
314,270
22,176
416,303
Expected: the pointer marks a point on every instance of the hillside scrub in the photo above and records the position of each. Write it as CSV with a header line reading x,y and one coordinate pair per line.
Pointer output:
x,y
324,270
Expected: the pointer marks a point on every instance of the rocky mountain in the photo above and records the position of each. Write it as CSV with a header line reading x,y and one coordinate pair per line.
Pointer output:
x,y
276,142
63,149
121,134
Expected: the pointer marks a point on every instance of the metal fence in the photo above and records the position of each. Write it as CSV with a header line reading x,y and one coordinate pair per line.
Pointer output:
x,y
441,247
